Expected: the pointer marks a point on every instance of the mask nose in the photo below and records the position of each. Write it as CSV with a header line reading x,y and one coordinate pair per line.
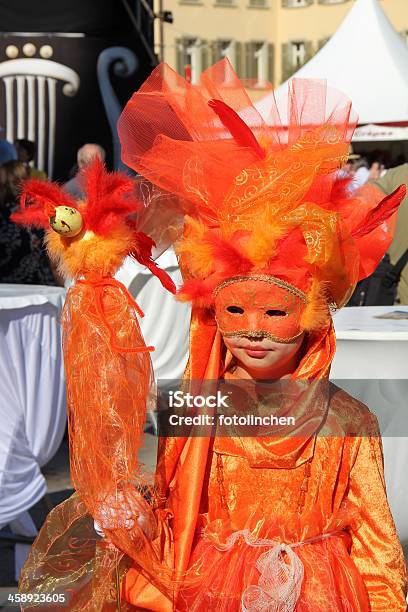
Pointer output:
x,y
254,327
254,323
255,335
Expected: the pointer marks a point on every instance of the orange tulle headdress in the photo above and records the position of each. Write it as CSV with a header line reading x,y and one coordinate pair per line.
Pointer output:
x,y
262,199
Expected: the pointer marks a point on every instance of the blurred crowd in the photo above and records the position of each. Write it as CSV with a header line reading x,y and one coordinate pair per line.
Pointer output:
x,y
365,167
23,257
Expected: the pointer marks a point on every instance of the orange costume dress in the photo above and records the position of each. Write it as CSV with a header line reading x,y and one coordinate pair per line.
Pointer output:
x,y
271,243
282,523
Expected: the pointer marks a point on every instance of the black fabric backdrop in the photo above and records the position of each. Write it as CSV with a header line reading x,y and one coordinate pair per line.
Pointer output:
x,y
93,17
105,24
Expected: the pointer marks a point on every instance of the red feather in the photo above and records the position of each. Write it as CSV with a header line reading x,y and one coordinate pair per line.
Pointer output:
x,y
238,129
37,202
33,216
142,252
199,291
110,197
385,209
228,258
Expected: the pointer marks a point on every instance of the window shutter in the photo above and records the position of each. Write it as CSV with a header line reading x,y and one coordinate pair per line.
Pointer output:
x,y
253,62
271,62
248,60
180,56
309,50
287,65
205,54
239,68
216,47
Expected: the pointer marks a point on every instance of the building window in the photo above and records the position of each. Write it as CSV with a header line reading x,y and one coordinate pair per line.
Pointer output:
x,y
296,3
259,64
332,1
298,54
258,3
192,58
225,2
294,55
230,49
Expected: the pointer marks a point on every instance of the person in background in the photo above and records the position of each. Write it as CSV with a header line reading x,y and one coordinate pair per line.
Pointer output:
x,y
365,171
26,151
348,168
7,152
23,257
361,173
386,185
85,155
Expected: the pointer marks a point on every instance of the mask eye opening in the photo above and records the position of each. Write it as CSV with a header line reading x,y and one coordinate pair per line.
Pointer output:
x,y
274,312
235,309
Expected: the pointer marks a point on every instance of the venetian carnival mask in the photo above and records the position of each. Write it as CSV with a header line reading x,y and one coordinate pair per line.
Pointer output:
x,y
260,306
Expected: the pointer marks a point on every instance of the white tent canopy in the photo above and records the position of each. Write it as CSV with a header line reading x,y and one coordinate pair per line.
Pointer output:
x,y
380,133
367,60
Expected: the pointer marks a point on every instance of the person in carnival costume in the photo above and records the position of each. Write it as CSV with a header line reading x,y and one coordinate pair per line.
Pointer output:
x,y
271,243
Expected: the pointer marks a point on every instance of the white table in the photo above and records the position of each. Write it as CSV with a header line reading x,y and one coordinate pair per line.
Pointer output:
x,y
368,347
32,398
371,363
166,322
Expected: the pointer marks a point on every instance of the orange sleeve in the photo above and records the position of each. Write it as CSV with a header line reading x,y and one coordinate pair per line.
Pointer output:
x,y
376,549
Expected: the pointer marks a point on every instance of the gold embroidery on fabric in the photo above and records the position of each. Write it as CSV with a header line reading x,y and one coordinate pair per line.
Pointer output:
x,y
257,335
304,486
221,484
267,279
194,178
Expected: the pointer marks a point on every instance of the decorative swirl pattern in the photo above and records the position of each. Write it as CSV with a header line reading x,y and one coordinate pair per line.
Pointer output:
x,y
194,179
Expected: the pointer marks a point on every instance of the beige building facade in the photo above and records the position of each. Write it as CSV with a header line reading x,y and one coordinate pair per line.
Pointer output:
x,y
266,40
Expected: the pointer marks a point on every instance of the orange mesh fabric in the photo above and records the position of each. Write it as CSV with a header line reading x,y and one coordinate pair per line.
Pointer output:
x,y
172,136
107,391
